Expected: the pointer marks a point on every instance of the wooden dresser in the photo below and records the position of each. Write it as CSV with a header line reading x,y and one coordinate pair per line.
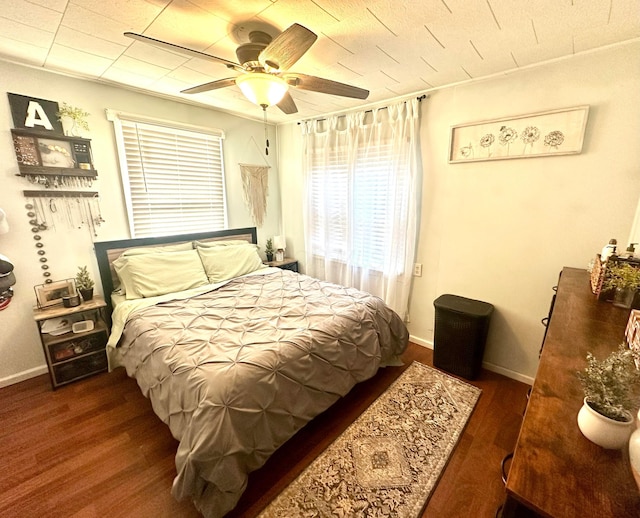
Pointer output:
x,y
555,470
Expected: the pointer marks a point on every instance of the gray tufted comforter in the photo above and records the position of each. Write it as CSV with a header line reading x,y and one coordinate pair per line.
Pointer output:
x,y
235,372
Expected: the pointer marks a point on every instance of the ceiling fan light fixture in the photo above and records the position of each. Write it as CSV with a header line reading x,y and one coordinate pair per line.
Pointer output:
x,y
262,89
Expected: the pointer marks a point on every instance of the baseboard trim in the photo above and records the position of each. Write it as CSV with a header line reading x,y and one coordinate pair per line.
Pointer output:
x,y
22,376
38,371
420,341
485,365
508,373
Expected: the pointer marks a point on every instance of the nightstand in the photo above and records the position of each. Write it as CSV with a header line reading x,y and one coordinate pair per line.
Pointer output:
x,y
287,264
71,356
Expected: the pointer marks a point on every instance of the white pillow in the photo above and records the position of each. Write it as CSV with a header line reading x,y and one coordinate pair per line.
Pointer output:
x,y
149,275
226,262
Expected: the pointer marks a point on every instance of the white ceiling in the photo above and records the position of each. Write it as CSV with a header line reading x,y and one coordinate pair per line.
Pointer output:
x,y
391,48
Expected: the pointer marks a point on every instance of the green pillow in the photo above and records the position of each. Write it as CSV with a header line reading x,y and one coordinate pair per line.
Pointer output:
x,y
180,247
150,275
226,262
220,242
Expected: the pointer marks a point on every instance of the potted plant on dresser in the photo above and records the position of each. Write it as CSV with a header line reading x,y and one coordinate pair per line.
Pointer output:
x,y
84,283
624,279
611,394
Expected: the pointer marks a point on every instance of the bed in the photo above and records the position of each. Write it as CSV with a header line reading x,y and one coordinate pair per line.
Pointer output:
x,y
236,358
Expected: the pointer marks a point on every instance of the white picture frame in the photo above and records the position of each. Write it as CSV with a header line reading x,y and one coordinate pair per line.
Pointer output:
x,y
51,294
550,133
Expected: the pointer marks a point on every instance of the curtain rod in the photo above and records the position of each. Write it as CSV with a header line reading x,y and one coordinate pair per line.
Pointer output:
x,y
419,99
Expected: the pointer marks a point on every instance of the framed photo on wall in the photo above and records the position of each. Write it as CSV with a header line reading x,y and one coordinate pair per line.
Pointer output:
x,y
55,153
556,132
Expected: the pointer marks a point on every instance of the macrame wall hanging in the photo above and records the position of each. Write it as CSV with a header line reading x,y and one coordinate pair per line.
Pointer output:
x,y
255,188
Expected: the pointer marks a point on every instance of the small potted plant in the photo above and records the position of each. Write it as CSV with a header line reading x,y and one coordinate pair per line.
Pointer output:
x,y
625,280
610,395
73,119
268,250
84,283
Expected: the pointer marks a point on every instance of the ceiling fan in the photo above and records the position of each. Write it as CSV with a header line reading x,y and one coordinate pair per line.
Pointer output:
x,y
264,63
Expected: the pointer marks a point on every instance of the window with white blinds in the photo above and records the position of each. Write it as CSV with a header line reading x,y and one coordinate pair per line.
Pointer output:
x,y
173,177
355,204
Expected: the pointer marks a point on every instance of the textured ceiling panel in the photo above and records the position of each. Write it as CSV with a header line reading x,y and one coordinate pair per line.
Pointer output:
x,y
23,52
32,15
19,32
67,58
68,37
392,49
133,14
184,24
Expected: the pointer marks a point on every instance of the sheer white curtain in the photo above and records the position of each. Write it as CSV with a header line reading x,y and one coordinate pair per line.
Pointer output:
x,y
363,181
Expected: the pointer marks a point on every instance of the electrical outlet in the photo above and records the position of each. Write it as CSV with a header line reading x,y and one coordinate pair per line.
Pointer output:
x,y
417,270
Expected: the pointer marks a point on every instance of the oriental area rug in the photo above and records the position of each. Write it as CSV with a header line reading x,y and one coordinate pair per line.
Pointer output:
x,y
388,461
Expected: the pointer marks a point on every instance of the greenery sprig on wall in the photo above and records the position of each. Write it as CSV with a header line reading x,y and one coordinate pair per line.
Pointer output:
x,y
78,115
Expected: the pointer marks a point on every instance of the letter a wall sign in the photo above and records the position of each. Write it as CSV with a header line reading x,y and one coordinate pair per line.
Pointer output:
x,y
35,114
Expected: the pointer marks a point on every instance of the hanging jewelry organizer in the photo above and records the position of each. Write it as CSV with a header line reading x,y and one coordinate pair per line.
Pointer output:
x,y
52,161
55,162
50,210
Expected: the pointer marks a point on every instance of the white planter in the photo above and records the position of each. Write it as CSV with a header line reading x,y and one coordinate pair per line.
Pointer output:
x,y
605,432
634,452
70,127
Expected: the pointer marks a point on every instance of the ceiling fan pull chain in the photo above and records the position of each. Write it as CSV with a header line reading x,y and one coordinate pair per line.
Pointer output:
x,y
266,134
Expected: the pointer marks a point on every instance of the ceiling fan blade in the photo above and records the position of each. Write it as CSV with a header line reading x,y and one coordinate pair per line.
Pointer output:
x,y
213,85
325,86
287,105
182,50
287,48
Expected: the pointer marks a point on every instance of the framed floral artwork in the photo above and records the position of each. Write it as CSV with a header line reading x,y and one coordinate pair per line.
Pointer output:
x,y
556,132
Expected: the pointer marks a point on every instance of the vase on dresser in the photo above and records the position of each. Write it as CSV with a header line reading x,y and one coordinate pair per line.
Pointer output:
x,y
603,431
623,297
634,452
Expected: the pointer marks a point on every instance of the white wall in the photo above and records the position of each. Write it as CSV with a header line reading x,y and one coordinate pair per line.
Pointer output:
x,y
501,231
21,354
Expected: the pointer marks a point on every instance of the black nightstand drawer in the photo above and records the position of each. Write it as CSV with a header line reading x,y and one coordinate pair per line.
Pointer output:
x,y
77,346
293,266
80,367
72,356
286,264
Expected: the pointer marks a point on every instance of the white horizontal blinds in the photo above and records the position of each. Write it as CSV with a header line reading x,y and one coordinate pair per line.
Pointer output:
x,y
354,210
380,192
329,198
176,179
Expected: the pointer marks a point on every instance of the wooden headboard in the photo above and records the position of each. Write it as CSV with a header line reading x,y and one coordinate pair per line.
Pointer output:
x,y
109,251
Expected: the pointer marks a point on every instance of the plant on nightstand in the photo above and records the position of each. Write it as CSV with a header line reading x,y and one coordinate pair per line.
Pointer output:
x,y
269,250
610,389
84,283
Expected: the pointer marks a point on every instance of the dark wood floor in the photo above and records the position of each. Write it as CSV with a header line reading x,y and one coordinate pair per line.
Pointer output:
x,y
95,449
